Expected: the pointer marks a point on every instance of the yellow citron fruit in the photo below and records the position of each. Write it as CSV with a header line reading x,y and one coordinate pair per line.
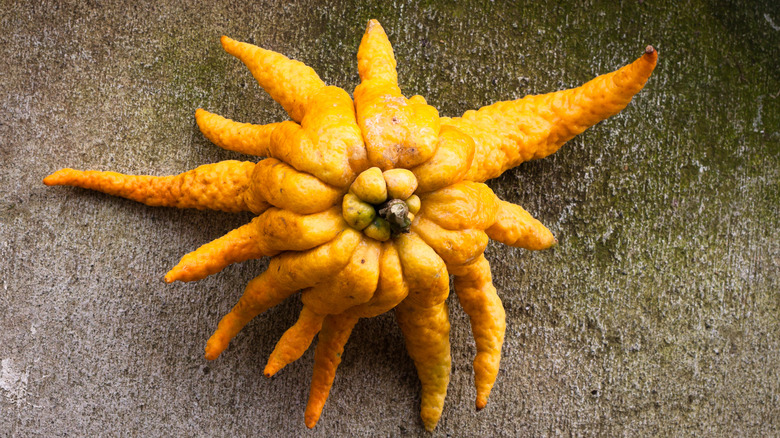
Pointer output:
x,y
378,230
347,274
357,213
401,183
370,186
413,202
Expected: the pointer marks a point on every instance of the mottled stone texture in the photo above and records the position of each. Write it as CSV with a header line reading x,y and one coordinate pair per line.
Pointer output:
x,y
656,314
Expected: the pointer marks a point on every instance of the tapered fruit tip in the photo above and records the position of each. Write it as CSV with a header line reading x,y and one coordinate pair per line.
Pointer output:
x,y
170,276
430,420
311,420
53,179
651,54
226,41
481,403
212,351
269,371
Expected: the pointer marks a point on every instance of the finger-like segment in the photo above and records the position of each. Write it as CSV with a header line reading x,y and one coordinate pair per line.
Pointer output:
x,y
477,295
218,186
283,230
391,288
282,186
449,164
375,55
327,357
424,271
353,285
245,138
461,206
457,247
289,82
516,227
295,341
509,133
331,125
329,145
426,332
236,246
397,132
270,233
290,144
286,274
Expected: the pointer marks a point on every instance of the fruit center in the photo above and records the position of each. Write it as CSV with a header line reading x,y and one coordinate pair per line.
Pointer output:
x,y
381,204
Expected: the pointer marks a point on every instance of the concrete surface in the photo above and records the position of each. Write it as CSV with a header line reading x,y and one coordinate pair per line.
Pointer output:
x,y
656,315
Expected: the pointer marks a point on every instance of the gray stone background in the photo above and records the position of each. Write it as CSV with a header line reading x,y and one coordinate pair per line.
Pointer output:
x,y
656,315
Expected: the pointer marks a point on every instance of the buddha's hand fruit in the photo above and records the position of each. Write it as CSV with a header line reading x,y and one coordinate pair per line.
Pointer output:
x,y
369,205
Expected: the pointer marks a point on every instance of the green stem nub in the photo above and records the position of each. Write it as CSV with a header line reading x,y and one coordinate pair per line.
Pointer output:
x,y
396,213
